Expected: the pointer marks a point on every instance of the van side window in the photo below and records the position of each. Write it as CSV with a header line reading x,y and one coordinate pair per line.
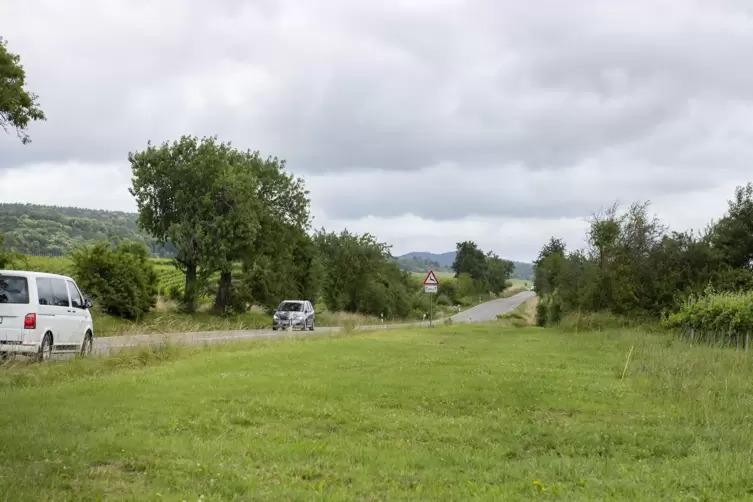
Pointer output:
x,y
76,300
59,293
44,292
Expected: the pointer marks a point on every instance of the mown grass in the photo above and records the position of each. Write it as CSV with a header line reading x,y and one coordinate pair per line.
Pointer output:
x,y
455,413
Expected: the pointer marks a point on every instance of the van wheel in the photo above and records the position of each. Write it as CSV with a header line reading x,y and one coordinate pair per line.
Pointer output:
x,y
311,328
88,345
45,350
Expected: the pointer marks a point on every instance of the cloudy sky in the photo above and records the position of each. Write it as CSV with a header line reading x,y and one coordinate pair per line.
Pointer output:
x,y
422,122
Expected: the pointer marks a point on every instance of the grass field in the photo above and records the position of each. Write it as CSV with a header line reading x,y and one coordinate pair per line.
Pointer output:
x,y
455,413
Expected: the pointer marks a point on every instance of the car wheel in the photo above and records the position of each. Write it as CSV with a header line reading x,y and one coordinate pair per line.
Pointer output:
x,y
311,327
45,350
88,345
274,328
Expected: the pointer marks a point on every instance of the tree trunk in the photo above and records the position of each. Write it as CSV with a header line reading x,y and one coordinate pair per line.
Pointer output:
x,y
222,300
190,292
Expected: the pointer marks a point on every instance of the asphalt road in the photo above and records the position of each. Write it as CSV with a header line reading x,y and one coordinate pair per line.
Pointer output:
x,y
490,310
485,312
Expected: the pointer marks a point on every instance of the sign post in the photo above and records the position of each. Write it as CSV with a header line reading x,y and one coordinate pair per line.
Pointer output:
x,y
431,286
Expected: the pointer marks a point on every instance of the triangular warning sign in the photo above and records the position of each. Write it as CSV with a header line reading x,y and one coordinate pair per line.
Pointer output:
x,y
431,279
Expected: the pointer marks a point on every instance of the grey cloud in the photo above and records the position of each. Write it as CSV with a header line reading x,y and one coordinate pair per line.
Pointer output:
x,y
448,193
341,86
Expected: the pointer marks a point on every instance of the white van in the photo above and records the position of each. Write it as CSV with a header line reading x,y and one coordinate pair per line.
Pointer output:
x,y
41,314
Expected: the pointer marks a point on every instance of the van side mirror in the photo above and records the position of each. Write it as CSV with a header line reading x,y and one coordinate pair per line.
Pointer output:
x,y
88,303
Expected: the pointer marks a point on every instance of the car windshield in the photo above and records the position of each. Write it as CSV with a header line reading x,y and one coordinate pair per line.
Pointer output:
x,y
14,289
290,307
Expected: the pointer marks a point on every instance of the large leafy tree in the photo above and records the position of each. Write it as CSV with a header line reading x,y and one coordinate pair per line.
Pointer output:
x,y
547,267
498,272
732,235
200,195
281,261
469,259
353,263
18,106
286,266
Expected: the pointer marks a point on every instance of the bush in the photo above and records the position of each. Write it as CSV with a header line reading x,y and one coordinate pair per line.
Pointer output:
x,y
541,313
448,288
465,286
443,300
714,317
121,279
549,310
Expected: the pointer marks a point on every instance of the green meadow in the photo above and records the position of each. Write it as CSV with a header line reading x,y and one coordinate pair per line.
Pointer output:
x,y
484,412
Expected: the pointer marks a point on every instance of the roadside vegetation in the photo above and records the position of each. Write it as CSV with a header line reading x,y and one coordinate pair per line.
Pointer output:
x,y
461,412
166,315
635,271
136,294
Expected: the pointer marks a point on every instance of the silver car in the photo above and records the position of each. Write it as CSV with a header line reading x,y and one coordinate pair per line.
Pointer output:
x,y
297,314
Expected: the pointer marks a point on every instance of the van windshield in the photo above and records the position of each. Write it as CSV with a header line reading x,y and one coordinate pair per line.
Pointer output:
x,y
14,289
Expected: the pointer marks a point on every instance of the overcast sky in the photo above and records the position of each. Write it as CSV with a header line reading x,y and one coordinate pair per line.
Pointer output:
x,y
422,122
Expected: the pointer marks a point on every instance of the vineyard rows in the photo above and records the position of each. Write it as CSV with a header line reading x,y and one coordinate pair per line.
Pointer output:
x,y
168,276
715,318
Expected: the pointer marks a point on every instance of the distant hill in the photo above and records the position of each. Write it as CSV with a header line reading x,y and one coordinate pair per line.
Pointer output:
x,y
422,261
53,231
419,264
443,259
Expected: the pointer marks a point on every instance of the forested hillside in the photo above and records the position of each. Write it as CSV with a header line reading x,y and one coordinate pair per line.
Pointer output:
x,y
418,264
54,231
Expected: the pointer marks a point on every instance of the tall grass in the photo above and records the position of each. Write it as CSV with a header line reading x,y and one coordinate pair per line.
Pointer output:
x,y
602,321
521,316
22,372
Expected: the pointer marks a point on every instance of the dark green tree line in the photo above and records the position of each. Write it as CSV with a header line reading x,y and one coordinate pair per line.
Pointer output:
x,y
634,266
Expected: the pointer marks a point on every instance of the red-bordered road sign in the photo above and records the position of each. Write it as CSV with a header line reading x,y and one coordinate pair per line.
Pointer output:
x,y
431,279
